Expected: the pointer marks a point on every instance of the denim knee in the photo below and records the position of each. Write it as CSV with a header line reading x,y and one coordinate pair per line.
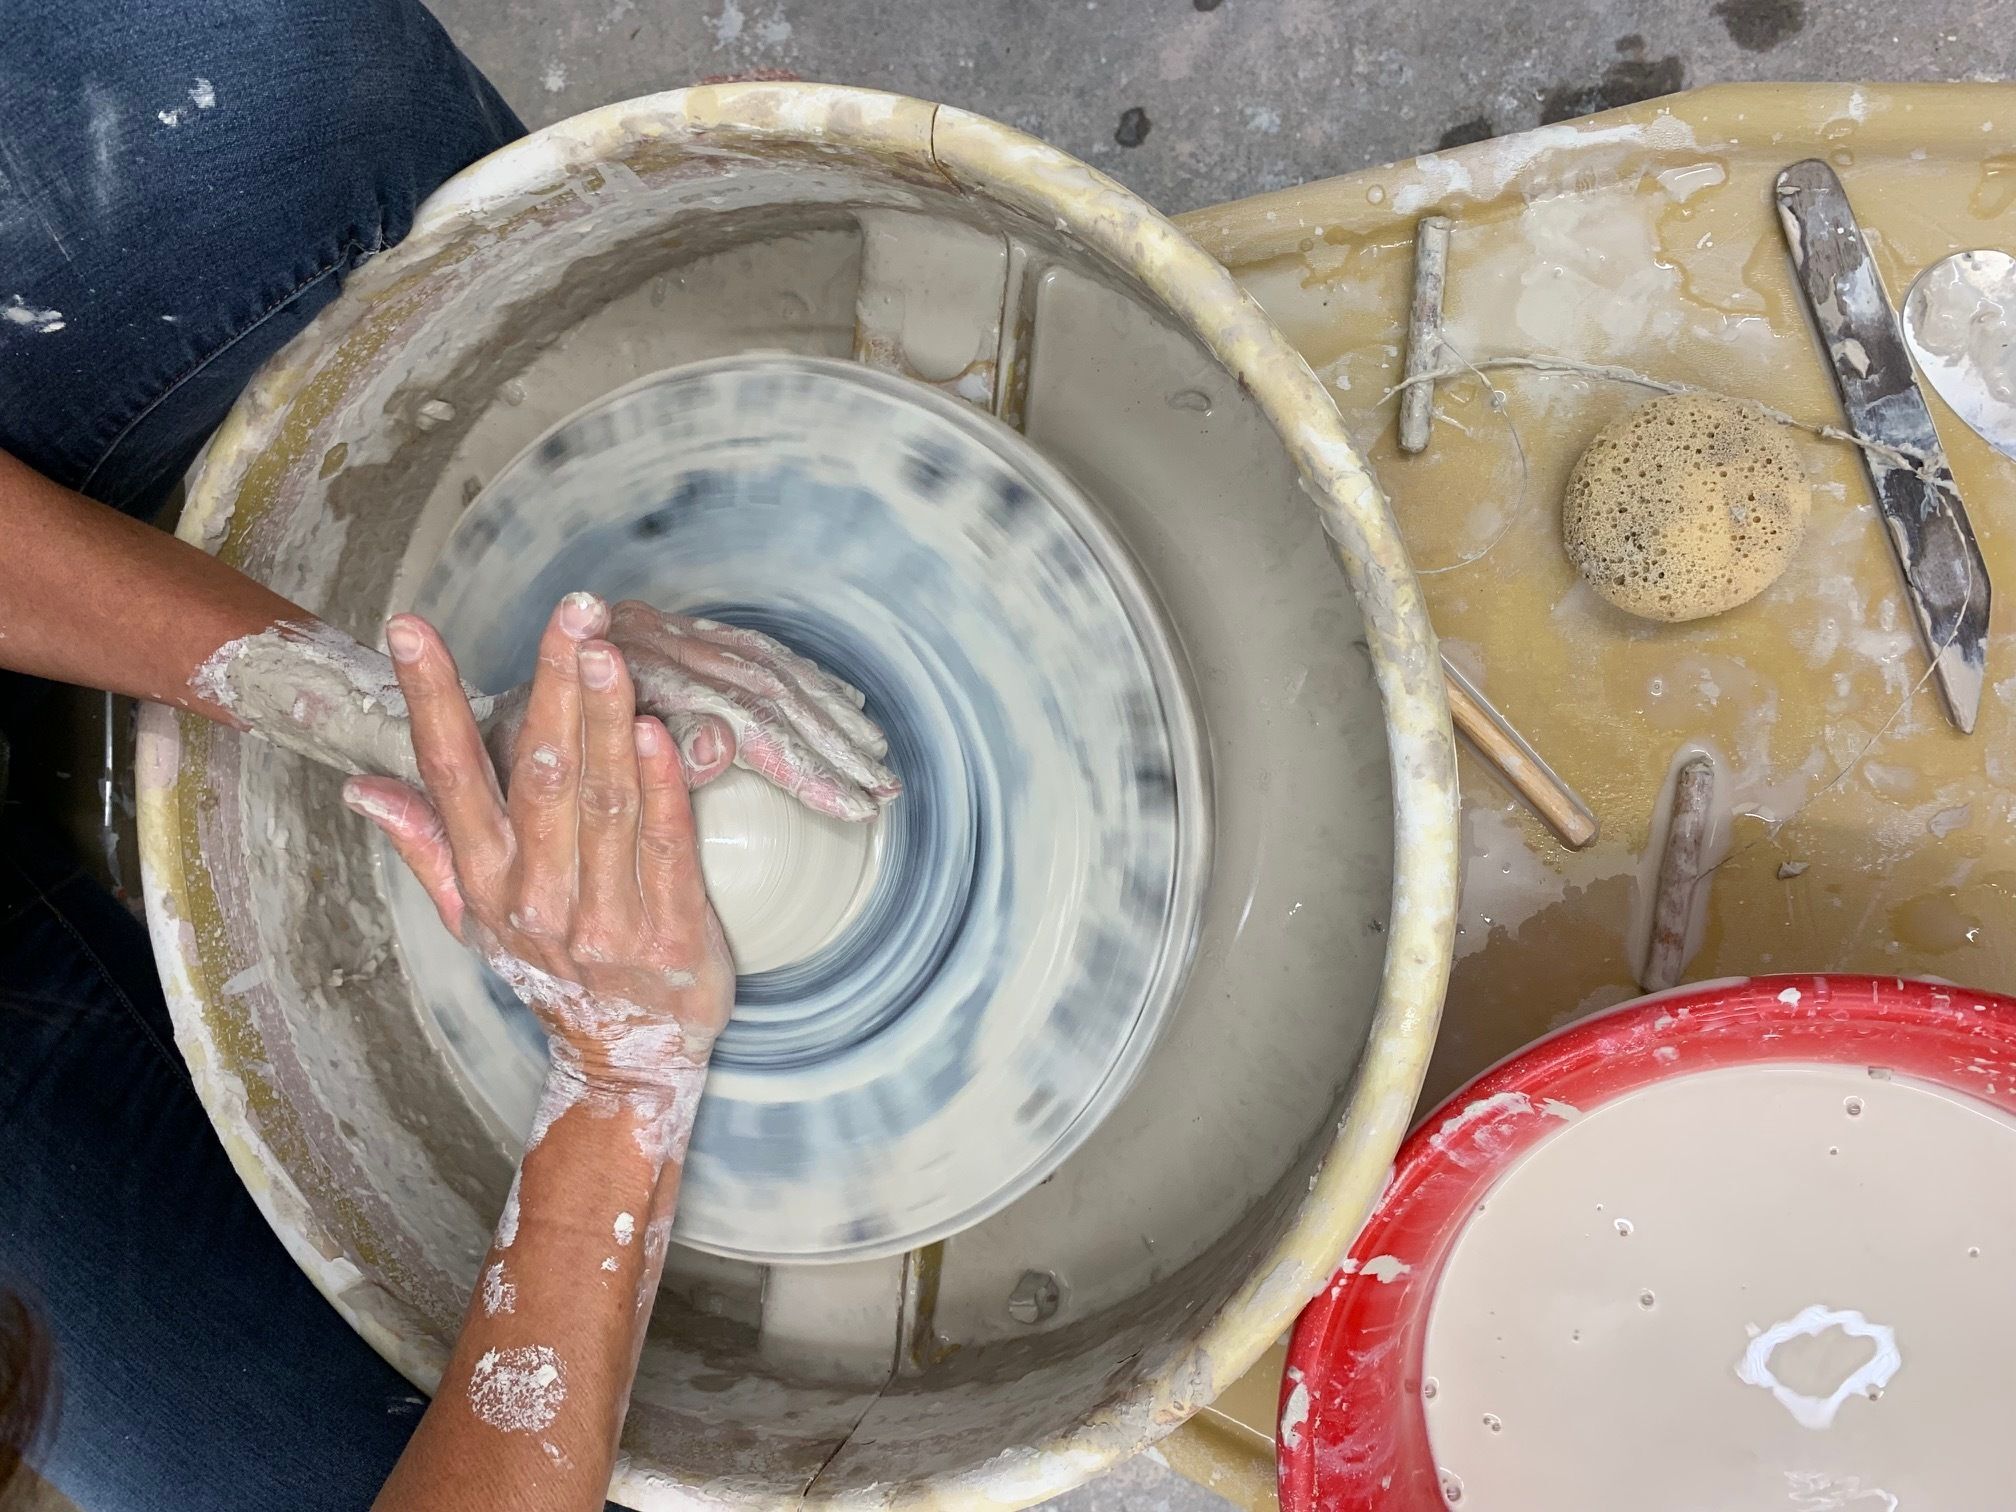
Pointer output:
x,y
182,187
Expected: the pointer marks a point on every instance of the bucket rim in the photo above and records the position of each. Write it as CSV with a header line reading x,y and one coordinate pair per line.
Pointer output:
x,y
974,156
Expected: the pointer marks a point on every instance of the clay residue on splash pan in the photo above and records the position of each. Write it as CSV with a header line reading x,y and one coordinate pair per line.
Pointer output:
x,y
1717,1278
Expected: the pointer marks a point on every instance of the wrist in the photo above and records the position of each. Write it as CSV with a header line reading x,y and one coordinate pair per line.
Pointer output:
x,y
658,1104
311,689
655,1061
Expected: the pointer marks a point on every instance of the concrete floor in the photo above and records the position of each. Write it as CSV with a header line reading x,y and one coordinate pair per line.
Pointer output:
x,y
1191,102
1234,96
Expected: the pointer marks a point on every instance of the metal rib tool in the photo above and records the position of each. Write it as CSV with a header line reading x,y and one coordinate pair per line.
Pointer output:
x,y
1944,576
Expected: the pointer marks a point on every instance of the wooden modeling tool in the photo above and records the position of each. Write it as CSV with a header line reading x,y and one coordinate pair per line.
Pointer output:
x,y
1517,762
1679,874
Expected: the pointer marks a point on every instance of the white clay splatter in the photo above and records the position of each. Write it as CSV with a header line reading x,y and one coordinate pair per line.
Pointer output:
x,y
1483,1107
102,126
667,1136
657,1238
17,311
1293,1416
555,77
1386,1269
635,1039
625,1228
203,95
500,1292
1754,1369
609,1263
560,1093
518,1390
1817,1491
169,118
1947,820
252,976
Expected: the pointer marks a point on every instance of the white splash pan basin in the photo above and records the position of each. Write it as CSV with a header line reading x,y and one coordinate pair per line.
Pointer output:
x,y
1185,1233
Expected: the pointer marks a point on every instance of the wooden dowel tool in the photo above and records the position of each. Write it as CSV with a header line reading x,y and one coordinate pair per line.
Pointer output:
x,y
1517,762
1424,330
1679,874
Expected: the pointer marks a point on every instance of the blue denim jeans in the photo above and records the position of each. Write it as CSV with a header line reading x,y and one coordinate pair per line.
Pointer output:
x,y
182,187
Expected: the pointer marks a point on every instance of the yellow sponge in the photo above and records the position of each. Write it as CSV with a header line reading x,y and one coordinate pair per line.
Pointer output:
x,y
1690,505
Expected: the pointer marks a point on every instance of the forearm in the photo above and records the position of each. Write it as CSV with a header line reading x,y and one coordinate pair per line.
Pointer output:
x,y
531,1405
89,596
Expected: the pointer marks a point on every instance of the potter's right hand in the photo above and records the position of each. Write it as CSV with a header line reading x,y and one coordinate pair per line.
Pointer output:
x,y
584,893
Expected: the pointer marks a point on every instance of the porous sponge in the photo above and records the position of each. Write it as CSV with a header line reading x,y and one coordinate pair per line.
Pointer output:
x,y
1688,506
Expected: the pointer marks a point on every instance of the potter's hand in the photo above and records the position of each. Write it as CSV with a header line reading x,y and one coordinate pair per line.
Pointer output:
x,y
737,697
733,694
584,891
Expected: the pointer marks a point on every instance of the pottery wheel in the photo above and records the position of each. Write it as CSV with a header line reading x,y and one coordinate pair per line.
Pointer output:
x,y
937,1007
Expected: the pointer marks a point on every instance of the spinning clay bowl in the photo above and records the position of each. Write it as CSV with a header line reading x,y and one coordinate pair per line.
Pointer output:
x,y
1139,976
934,1009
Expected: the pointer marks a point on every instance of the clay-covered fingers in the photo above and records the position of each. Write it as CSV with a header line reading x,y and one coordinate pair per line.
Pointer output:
x,y
764,742
611,800
810,719
668,858
410,822
453,762
841,700
546,769
793,723
770,748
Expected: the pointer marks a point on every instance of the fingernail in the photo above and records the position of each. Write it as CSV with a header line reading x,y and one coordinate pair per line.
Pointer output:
x,y
703,748
404,639
598,667
581,615
647,736
363,802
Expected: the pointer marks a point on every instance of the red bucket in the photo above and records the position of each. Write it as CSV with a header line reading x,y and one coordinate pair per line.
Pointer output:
x,y
1353,1432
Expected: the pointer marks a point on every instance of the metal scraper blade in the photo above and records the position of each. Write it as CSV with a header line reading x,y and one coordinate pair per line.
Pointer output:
x,y
1944,575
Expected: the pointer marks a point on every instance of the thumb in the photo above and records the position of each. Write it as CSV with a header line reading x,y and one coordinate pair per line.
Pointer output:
x,y
706,746
417,834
